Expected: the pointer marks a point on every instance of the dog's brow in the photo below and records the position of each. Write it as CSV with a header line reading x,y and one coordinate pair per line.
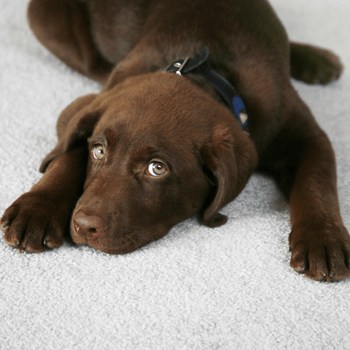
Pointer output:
x,y
144,152
97,138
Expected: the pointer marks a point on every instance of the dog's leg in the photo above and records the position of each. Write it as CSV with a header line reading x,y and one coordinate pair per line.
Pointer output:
x,y
306,172
62,26
39,218
314,65
320,244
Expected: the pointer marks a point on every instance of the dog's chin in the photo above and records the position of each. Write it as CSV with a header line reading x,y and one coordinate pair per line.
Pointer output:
x,y
120,249
98,244
114,246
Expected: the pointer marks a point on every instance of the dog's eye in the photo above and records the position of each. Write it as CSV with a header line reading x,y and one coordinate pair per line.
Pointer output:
x,y
98,152
157,168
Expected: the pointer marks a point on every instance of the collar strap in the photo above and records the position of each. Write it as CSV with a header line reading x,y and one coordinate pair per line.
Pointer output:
x,y
219,83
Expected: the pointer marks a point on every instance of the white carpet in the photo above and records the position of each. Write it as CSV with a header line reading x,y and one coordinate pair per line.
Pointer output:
x,y
197,288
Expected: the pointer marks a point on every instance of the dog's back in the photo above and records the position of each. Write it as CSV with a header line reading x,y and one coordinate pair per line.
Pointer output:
x,y
229,27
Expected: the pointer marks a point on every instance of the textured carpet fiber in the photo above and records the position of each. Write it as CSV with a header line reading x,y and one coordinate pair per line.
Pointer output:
x,y
197,288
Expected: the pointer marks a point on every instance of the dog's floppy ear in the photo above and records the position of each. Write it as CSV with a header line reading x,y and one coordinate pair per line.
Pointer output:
x,y
231,158
75,124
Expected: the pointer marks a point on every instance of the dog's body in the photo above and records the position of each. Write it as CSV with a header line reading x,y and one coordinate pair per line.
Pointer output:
x,y
163,147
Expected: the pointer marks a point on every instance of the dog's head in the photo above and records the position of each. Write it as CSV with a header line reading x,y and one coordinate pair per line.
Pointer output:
x,y
161,150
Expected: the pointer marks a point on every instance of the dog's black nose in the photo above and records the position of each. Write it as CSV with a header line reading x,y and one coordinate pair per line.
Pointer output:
x,y
90,225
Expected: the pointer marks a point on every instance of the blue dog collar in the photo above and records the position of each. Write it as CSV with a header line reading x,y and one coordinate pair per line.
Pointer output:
x,y
219,83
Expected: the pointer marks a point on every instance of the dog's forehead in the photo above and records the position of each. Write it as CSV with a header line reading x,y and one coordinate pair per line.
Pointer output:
x,y
157,94
157,107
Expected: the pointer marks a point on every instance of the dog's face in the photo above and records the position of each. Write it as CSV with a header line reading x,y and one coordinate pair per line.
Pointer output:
x,y
161,150
144,171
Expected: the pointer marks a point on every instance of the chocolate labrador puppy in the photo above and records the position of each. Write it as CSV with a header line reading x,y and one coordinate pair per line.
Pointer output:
x,y
196,96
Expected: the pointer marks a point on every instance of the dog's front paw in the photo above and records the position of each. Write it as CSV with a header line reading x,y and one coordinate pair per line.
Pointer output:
x,y
34,222
321,251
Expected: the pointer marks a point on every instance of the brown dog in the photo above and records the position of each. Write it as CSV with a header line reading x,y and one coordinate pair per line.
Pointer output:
x,y
154,147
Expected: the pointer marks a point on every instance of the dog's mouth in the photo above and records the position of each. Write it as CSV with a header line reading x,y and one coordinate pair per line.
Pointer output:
x,y
105,241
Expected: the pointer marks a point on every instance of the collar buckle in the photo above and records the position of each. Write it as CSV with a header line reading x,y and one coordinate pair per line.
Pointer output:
x,y
181,66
